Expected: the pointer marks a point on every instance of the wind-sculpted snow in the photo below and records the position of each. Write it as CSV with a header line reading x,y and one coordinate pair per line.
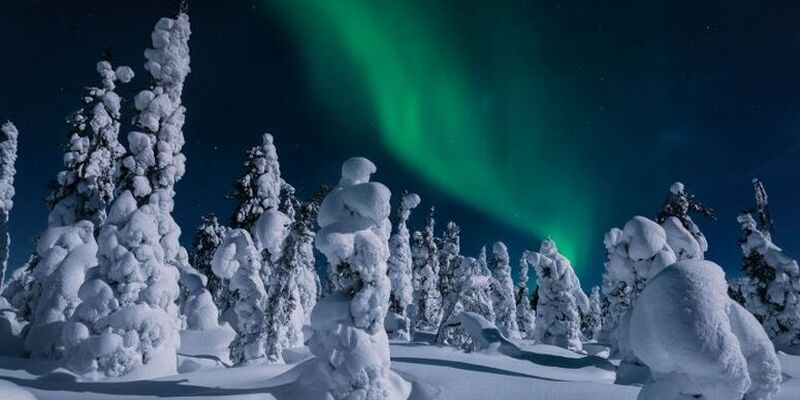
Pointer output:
x,y
700,344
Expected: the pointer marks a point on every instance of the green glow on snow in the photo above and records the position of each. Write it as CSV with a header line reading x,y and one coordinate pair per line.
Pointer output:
x,y
471,123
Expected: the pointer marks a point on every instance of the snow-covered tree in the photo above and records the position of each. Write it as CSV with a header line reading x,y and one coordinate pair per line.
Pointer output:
x,y
128,319
86,185
449,247
681,205
503,292
400,273
473,285
592,321
261,187
349,341
635,253
301,248
561,299
238,262
8,156
427,297
699,344
771,287
526,317
208,237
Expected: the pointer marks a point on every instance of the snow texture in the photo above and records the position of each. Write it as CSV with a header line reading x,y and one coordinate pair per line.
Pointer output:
x,y
400,273
8,156
561,299
349,341
700,344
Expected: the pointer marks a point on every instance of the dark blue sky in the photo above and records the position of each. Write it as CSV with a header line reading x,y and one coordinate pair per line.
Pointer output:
x,y
703,92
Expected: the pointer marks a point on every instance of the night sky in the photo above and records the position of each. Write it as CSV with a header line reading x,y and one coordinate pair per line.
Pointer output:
x,y
515,119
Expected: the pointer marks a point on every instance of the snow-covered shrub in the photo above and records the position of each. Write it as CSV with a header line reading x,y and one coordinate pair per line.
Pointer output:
x,y
503,292
561,299
399,269
700,344
771,290
635,253
237,261
86,185
526,317
349,340
473,294
261,187
208,237
592,321
427,297
8,156
66,254
680,205
128,320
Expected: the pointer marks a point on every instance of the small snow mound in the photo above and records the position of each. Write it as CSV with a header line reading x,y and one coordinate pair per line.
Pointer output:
x,y
10,391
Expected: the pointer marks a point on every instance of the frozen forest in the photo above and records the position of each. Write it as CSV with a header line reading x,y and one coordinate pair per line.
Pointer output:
x,y
338,295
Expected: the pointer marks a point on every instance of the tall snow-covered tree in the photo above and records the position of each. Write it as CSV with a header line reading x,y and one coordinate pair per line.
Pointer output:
x,y
8,156
449,247
473,294
238,262
592,321
261,187
349,341
682,205
503,292
561,299
208,237
427,295
771,287
400,272
526,317
128,320
86,185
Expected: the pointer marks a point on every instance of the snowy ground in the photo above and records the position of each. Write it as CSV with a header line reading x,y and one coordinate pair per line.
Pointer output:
x,y
435,372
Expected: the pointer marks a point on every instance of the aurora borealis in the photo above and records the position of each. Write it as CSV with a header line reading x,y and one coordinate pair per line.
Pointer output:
x,y
474,130
516,119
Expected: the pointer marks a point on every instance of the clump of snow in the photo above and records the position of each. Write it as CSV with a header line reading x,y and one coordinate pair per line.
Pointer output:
x,y
700,344
349,341
400,272
561,299
66,254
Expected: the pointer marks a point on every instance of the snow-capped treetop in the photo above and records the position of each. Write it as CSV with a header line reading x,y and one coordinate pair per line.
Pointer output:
x,y
8,156
86,185
680,204
261,187
399,263
761,209
168,60
356,170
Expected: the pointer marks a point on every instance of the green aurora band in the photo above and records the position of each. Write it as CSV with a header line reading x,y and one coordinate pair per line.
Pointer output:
x,y
476,125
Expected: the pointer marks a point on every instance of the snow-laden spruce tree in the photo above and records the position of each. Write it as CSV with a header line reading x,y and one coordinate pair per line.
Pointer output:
x,y
208,237
427,297
128,321
293,287
8,156
526,317
86,185
449,247
771,288
261,187
238,262
561,299
699,344
349,341
635,254
400,273
473,294
680,205
503,292
592,321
